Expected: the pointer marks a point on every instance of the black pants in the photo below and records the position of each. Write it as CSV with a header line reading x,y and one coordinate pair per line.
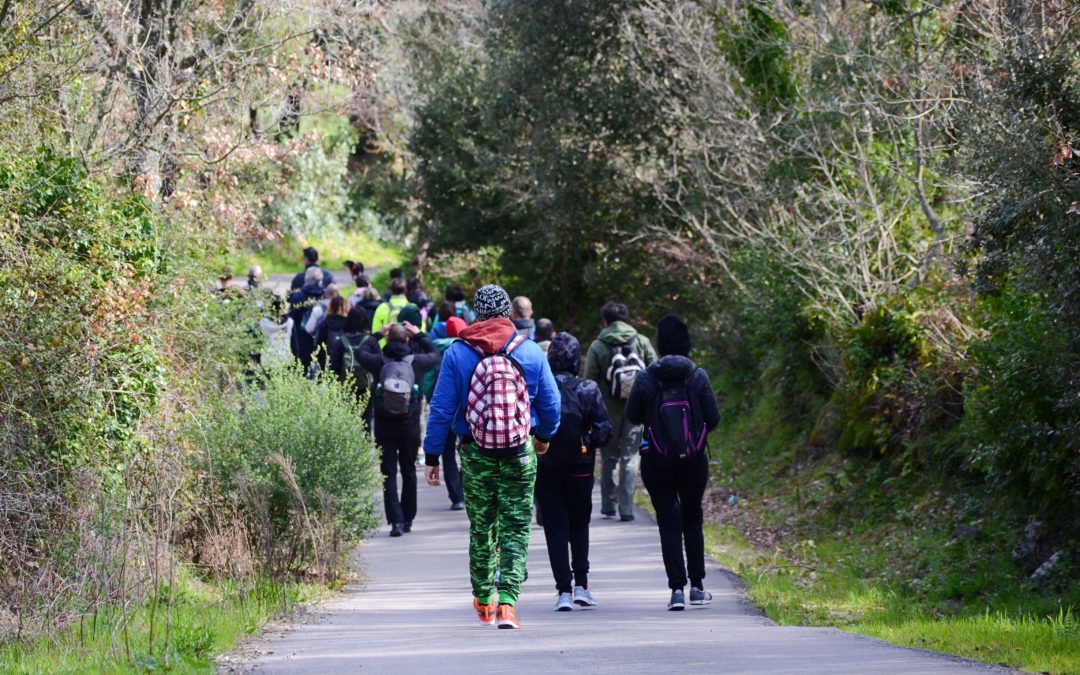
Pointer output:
x,y
400,443
565,500
451,472
676,489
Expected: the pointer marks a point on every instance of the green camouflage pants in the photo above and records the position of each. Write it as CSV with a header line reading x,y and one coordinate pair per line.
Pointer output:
x,y
499,501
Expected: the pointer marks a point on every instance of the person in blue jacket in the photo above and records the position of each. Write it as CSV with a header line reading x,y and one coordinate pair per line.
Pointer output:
x,y
498,482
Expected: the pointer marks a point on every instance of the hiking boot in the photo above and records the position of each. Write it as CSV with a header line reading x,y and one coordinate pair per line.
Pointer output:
x,y
677,602
457,506
583,598
397,529
626,517
564,603
407,527
486,613
506,618
699,596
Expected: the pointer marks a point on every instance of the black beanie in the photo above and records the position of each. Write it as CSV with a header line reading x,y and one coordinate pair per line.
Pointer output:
x,y
672,337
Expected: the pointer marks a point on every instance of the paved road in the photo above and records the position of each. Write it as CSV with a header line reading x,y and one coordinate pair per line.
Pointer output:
x,y
414,615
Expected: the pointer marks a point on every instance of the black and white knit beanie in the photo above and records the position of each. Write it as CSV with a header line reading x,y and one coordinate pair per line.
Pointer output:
x,y
491,302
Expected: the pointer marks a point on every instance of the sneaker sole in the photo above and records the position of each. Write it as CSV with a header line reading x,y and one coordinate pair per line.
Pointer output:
x,y
676,608
564,609
508,625
584,603
701,602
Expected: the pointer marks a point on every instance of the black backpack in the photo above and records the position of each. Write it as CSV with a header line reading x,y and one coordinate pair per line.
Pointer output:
x,y
567,446
350,361
676,427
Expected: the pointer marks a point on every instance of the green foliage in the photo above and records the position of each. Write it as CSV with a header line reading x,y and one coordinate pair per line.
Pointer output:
x,y
318,427
317,202
758,44
78,363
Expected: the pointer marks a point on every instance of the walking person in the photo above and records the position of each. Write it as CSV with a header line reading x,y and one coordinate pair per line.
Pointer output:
x,y
330,338
521,314
451,473
310,258
495,389
301,305
564,479
455,295
614,360
674,400
396,370
388,311
545,331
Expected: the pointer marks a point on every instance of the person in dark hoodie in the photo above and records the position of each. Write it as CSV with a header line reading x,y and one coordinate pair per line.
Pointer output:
x,y
329,345
301,303
564,479
619,458
498,476
398,435
675,402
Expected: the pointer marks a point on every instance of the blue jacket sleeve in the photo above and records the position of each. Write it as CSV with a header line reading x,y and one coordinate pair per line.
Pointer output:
x,y
600,429
548,403
444,404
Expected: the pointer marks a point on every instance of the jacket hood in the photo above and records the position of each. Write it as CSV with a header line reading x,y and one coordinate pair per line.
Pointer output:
x,y
617,333
489,336
564,354
335,322
672,368
397,350
313,289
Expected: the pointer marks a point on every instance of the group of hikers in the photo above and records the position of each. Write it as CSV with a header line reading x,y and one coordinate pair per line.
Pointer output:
x,y
510,417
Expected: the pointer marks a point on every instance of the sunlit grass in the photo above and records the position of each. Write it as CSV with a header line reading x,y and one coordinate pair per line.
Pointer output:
x,y
283,256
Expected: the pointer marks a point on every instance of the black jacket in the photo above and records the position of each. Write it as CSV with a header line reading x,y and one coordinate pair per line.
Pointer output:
x,y
303,345
331,353
298,280
425,357
672,369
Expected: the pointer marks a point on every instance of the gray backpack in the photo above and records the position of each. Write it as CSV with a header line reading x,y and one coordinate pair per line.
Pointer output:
x,y
397,394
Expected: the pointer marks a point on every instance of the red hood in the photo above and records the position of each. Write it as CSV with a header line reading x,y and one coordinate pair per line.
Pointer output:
x,y
490,335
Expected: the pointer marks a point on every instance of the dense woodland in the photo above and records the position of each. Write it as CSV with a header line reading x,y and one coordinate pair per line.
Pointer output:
x,y
869,212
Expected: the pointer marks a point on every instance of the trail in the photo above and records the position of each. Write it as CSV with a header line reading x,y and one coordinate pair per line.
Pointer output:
x,y
414,615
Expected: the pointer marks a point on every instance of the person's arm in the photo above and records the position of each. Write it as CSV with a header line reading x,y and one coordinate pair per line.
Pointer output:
x,y
639,398
600,429
425,356
382,314
548,403
710,410
312,325
370,356
648,352
593,369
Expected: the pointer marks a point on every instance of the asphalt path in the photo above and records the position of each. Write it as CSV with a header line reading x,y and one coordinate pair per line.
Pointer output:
x,y
413,614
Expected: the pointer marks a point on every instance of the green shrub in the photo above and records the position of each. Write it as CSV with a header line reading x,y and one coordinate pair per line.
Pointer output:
x,y
296,455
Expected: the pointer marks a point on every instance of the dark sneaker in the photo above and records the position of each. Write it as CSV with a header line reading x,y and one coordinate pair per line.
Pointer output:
x,y
626,517
607,514
407,527
397,529
677,602
699,596
457,506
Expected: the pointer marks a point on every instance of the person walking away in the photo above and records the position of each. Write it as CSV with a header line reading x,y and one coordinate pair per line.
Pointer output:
x,y
357,334
521,314
356,269
494,387
310,258
388,311
615,358
301,305
329,341
370,302
254,279
455,295
414,293
564,477
277,328
318,312
675,402
545,330
362,284
396,371
396,273
438,329
451,473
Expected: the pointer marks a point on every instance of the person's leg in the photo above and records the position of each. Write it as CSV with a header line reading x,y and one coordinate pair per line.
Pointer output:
x,y
479,477
578,490
552,503
517,476
451,472
691,483
629,460
408,447
609,460
387,442
665,500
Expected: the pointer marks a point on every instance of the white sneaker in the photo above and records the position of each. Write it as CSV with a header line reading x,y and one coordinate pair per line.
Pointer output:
x,y
583,598
564,603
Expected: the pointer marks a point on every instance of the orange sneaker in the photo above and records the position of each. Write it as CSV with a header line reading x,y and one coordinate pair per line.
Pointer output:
x,y
506,617
486,613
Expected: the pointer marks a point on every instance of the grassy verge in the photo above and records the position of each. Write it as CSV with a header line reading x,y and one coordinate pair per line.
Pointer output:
x,y
827,540
203,621
283,256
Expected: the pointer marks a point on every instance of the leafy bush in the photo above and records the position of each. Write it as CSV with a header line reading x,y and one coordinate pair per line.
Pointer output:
x,y
295,453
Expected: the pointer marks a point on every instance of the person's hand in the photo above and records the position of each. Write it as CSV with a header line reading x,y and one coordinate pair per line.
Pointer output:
x,y
540,446
431,473
385,330
411,329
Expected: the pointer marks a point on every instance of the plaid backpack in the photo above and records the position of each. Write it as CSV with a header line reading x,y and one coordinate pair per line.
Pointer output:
x,y
497,410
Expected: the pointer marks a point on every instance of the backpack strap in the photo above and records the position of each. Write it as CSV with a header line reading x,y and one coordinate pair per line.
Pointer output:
x,y
513,344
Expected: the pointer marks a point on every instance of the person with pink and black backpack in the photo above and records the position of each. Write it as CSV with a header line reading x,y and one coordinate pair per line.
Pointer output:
x,y
497,393
675,402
